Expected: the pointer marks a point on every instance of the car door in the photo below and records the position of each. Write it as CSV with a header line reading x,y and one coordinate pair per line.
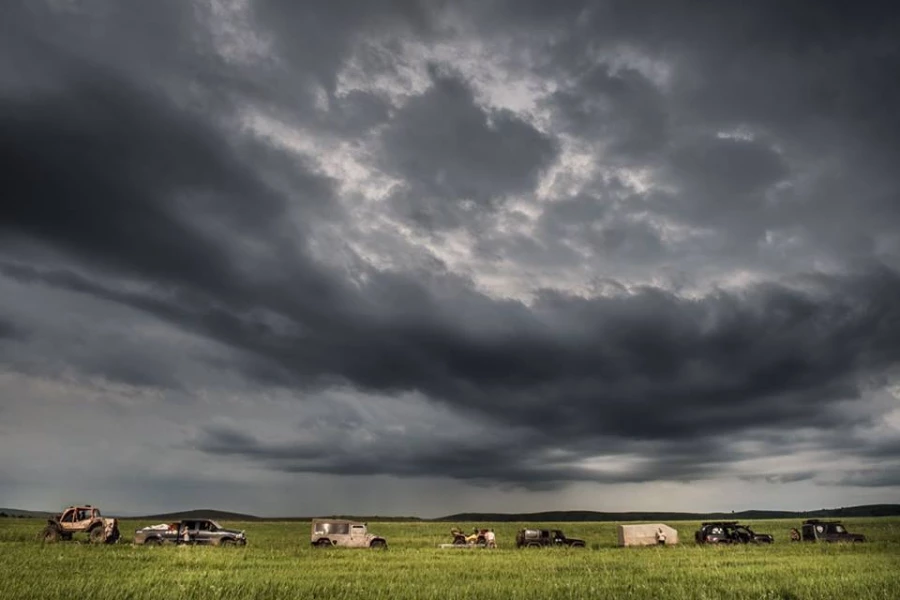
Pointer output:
x,y
357,536
67,520
204,534
808,534
187,533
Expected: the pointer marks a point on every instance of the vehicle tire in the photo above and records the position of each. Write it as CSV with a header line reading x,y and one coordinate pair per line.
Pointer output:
x,y
323,544
154,541
577,545
378,545
227,542
97,535
49,534
532,545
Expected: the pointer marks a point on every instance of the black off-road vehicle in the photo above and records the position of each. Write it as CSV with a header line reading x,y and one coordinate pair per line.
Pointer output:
x,y
537,538
729,532
814,530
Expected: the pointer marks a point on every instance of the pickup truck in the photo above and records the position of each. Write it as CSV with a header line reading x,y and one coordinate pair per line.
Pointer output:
x,y
190,531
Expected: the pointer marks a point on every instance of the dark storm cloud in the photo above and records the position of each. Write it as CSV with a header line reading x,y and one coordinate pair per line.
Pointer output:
x,y
98,170
515,459
449,150
721,183
648,366
620,107
781,478
885,475
11,331
128,180
316,37
808,83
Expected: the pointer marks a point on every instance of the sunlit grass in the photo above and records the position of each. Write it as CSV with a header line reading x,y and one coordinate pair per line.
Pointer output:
x,y
279,563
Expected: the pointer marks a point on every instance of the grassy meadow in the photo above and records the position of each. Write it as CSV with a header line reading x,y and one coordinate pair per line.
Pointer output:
x,y
278,562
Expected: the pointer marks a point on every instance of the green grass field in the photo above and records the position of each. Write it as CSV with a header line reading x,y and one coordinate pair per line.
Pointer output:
x,y
279,563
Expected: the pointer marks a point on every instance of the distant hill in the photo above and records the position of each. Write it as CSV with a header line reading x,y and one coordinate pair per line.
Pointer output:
x,y
17,513
872,510
199,513
219,515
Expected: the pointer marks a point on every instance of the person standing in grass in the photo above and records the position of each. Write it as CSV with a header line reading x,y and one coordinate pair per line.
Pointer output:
x,y
489,538
660,537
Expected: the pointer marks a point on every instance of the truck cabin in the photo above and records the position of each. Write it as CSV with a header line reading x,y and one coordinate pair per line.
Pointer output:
x,y
812,530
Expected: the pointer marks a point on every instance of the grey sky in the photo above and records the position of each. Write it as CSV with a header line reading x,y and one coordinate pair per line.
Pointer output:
x,y
426,257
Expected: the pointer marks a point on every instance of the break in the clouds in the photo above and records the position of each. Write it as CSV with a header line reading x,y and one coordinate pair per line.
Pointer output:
x,y
419,257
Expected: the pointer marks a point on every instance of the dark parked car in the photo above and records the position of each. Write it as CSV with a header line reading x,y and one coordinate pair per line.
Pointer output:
x,y
814,530
729,532
535,538
190,531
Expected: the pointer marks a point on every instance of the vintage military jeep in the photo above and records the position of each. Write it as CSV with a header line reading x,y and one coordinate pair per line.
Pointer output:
x,y
536,538
814,530
729,532
190,531
81,519
340,532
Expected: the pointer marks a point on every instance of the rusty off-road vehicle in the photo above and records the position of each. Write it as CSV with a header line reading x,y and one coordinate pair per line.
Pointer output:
x,y
340,532
476,538
81,519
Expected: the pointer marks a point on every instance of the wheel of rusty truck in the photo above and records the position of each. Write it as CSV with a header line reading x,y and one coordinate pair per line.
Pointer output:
x,y
226,542
154,541
323,544
378,544
577,545
49,534
532,545
97,535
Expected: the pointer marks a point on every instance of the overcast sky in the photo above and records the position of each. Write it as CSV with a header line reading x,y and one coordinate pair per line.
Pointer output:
x,y
414,258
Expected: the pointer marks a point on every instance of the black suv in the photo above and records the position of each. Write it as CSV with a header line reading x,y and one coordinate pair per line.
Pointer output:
x,y
535,538
814,530
729,532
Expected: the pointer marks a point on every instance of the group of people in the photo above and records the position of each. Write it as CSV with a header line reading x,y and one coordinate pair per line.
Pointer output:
x,y
478,536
